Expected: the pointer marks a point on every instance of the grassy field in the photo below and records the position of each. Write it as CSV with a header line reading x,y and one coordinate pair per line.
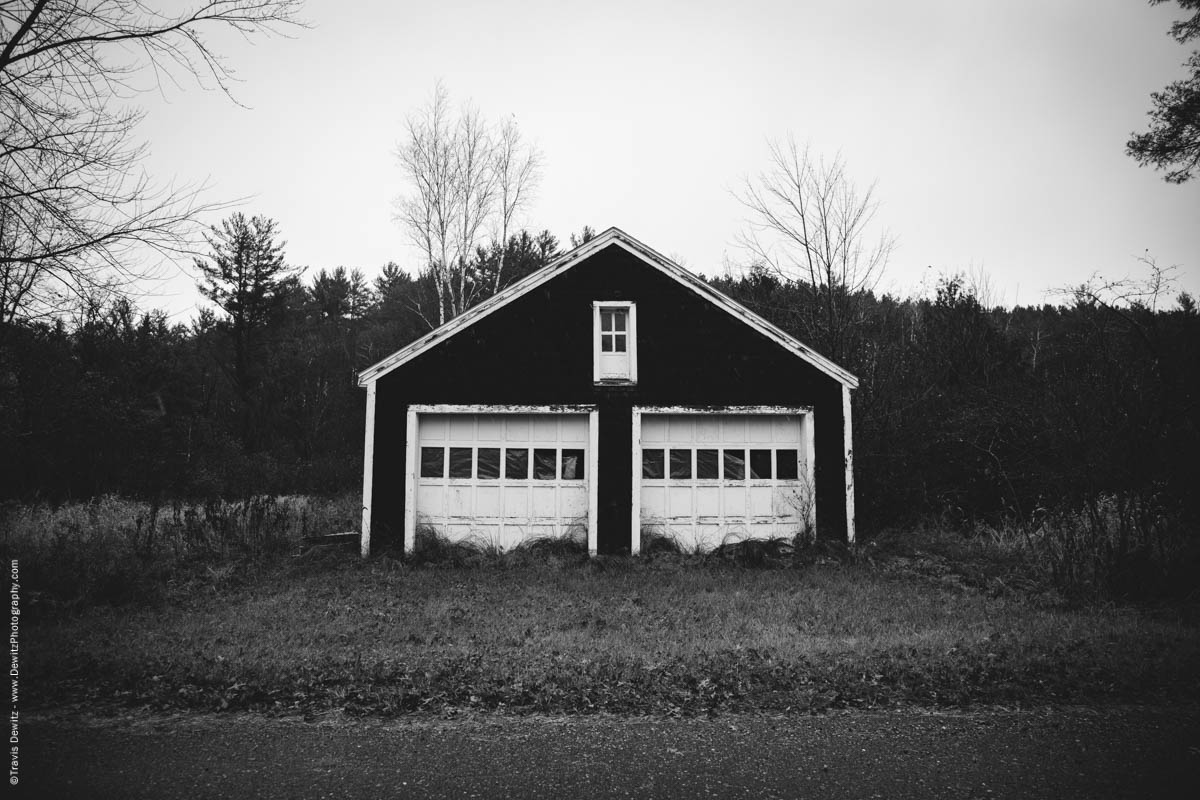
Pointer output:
x,y
920,619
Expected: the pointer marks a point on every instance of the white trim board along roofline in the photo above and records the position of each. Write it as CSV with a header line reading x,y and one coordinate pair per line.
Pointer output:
x,y
612,236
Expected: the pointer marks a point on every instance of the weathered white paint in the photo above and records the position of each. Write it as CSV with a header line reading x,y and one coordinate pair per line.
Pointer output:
x,y
593,482
368,471
417,412
848,447
410,481
617,237
628,371
809,421
635,516
701,513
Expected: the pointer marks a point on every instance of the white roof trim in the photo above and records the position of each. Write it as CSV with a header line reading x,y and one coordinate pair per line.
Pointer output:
x,y
612,236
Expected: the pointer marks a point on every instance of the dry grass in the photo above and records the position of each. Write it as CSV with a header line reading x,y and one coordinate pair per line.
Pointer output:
x,y
661,635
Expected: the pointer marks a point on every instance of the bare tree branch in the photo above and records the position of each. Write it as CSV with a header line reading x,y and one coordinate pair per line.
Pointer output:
x,y
807,222
76,209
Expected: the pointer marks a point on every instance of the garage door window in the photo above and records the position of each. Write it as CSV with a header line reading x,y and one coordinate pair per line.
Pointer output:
x,y
735,465
787,464
572,465
652,464
488,463
708,466
433,462
516,464
760,465
681,464
460,462
545,463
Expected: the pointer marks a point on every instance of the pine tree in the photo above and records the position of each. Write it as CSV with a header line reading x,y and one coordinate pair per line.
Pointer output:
x,y
248,280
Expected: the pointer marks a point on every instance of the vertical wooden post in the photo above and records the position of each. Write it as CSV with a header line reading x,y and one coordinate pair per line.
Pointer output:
x,y
410,482
635,531
593,479
368,471
848,448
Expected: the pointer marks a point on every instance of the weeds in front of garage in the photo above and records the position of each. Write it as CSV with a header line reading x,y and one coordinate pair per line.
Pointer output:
x,y
547,630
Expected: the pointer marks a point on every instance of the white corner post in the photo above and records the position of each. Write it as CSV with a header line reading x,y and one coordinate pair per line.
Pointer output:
x,y
848,448
635,519
410,482
593,535
368,471
809,423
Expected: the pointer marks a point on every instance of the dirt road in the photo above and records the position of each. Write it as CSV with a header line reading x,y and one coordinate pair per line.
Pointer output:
x,y
1129,752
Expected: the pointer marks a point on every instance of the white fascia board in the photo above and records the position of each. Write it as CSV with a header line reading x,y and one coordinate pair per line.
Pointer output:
x,y
452,408
723,409
568,260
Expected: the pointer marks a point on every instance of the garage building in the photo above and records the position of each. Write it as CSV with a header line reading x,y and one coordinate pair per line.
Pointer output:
x,y
610,395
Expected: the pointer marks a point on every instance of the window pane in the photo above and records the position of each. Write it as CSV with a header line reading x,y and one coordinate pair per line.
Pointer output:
x,y
544,464
433,462
786,468
606,320
572,465
652,463
516,464
489,462
619,341
606,342
760,464
619,319
707,464
735,465
681,463
460,462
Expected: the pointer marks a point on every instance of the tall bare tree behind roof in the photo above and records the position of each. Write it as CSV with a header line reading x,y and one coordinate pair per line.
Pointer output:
x,y
466,175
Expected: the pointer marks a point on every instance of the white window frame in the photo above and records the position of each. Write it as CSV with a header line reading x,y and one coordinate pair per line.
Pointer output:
x,y
630,339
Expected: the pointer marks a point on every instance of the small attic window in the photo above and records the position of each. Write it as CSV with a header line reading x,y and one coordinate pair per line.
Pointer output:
x,y
614,343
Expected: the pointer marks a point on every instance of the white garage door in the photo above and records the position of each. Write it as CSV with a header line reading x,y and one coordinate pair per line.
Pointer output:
x,y
712,478
498,479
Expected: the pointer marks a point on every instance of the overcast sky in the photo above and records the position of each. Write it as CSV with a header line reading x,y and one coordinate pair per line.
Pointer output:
x,y
995,130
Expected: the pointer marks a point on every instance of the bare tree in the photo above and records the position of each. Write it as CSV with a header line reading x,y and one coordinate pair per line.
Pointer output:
x,y
808,222
518,171
465,175
75,207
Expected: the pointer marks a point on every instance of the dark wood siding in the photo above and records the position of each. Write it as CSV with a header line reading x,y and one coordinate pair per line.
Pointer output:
x,y
537,350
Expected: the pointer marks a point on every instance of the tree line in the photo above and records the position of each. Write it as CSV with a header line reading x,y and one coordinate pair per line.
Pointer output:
x,y
963,409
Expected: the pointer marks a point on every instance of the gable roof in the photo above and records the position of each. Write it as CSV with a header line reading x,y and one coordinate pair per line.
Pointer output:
x,y
617,237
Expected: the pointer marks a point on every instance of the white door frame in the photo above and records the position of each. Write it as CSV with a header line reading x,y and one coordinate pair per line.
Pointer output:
x,y
410,454
807,422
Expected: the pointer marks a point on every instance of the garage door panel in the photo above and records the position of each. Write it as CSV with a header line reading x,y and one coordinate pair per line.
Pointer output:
x,y
760,501
515,503
574,430
516,429
431,500
654,502
490,429
735,501
487,501
544,501
462,427
680,500
545,430
574,503
708,429
733,430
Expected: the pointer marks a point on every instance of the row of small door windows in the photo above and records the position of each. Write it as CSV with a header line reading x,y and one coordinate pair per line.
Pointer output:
x,y
485,463
680,464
